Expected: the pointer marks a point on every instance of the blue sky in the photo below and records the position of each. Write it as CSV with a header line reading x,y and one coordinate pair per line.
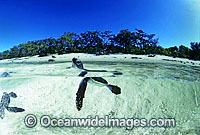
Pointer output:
x,y
175,22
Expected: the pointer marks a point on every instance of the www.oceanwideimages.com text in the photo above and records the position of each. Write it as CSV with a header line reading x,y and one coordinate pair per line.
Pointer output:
x,y
128,123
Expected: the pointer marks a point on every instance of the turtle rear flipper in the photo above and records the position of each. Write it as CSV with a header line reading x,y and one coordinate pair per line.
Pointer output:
x,y
2,112
15,109
115,89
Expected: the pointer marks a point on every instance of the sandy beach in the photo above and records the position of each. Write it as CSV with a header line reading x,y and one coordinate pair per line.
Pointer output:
x,y
111,57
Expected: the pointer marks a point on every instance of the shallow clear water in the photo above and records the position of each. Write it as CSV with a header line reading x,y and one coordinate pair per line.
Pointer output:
x,y
148,90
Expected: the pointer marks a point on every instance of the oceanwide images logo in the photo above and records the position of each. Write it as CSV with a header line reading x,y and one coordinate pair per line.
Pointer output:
x,y
46,121
128,123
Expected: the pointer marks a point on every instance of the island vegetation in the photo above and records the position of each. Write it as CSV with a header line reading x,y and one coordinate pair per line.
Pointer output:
x,y
101,43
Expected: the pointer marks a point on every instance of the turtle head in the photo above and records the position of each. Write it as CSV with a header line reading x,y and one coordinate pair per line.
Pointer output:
x,y
5,93
76,63
12,94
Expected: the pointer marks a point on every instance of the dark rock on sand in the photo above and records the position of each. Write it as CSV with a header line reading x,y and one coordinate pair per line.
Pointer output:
x,y
135,58
168,60
5,74
151,55
51,60
11,72
42,55
117,73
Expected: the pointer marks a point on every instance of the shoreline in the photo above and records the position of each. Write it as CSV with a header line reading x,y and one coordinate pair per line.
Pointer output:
x,y
55,58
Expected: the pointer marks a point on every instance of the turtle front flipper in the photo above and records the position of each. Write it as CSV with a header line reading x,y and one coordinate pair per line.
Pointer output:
x,y
81,93
100,80
15,109
12,94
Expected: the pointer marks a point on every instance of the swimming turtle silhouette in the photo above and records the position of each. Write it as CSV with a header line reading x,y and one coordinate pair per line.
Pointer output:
x,y
76,63
5,101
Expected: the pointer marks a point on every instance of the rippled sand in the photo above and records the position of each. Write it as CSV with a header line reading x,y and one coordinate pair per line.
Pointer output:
x,y
149,89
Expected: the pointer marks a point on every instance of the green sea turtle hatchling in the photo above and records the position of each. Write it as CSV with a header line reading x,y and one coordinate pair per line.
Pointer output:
x,y
76,63
5,101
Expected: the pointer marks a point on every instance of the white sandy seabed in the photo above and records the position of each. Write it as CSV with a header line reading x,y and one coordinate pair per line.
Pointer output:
x,y
160,91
